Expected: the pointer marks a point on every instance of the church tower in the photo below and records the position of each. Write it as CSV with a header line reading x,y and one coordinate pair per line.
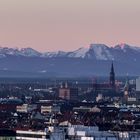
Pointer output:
x,y
112,76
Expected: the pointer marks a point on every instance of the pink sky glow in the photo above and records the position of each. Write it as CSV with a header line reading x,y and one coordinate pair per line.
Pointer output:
x,y
50,25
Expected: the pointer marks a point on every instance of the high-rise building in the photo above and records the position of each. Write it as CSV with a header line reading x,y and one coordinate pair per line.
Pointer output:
x,y
126,91
126,88
138,84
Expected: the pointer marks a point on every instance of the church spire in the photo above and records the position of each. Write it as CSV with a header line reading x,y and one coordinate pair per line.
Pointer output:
x,y
112,68
112,76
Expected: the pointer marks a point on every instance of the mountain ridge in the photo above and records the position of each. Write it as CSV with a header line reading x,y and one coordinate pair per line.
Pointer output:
x,y
95,60
95,51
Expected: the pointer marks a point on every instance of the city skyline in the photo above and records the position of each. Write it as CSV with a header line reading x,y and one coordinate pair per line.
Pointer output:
x,y
51,25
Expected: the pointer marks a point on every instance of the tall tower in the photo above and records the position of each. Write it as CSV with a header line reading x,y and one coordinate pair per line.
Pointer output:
x,y
126,88
112,76
126,91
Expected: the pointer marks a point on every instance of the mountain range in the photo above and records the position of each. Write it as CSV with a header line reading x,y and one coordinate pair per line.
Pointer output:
x,y
92,61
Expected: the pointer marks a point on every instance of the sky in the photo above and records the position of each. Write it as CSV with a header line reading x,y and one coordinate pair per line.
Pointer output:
x,y
51,25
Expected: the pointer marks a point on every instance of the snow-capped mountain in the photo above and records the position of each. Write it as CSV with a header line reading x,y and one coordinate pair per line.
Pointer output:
x,y
94,51
100,52
54,54
121,52
29,52
79,53
94,60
